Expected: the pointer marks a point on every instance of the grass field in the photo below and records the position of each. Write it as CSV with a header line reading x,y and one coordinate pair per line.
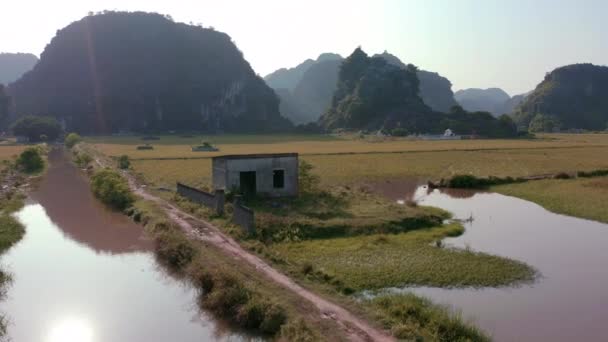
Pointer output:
x,y
586,198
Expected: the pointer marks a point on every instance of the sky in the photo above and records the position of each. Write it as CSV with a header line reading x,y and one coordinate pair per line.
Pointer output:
x,y
509,44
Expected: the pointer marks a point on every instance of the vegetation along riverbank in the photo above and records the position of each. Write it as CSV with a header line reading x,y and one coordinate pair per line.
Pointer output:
x,y
16,174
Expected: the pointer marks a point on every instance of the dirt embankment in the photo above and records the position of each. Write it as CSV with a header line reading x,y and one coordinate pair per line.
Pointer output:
x,y
356,328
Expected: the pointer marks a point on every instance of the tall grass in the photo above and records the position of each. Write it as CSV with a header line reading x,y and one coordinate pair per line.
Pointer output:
x,y
413,318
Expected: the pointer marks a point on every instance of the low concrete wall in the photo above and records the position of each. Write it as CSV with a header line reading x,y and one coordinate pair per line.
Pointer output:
x,y
214,201
243,216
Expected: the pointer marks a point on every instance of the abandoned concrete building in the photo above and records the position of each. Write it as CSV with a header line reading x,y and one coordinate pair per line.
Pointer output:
x,y
271,175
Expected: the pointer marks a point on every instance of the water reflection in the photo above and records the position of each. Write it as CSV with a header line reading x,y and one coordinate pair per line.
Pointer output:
x,y
71,329
64,193
569,302
86,274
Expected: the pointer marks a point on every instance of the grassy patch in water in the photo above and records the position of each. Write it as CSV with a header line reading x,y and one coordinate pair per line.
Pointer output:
x,y
337,212
584,197
413,318
407,259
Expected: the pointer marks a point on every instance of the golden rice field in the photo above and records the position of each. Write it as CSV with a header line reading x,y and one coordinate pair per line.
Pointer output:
x,y
9,151
351,168
172,147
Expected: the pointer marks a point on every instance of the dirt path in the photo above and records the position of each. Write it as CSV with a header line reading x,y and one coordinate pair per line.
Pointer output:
x,y
357,329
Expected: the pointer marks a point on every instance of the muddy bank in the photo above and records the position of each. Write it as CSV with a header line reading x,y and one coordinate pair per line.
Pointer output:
x,y
83,273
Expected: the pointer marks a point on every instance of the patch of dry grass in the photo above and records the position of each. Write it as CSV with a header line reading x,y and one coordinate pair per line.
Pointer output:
x,y
583,197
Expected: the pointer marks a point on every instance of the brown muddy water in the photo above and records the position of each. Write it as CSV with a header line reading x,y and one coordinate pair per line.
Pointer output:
x,y
85,274
569,301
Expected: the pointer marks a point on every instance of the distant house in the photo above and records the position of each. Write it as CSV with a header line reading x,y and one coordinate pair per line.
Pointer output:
x,y
270,175
448,133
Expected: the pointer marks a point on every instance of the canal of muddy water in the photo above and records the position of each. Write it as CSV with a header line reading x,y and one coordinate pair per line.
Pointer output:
x,y
569,301
85,274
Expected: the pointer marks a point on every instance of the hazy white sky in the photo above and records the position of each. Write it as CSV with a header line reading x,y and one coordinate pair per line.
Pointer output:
x,y
475,43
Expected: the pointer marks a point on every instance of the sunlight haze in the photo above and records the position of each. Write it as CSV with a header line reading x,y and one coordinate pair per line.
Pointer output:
x,y
507,44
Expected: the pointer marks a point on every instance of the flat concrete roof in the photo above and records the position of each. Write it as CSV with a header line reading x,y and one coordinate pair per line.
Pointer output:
x,y
255,156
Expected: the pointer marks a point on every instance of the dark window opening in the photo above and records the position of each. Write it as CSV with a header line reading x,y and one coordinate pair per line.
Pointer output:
x,y
278,179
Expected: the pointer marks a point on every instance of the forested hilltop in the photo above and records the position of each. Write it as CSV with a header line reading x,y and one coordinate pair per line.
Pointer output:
x,y
571,97
375,94
14,65
143,72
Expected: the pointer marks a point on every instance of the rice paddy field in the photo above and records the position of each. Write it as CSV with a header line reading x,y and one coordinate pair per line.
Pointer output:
x,y
586,198
343,160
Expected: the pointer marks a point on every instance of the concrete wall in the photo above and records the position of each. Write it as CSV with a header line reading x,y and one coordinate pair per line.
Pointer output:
x,y
218,173
243,216
226,174
215,201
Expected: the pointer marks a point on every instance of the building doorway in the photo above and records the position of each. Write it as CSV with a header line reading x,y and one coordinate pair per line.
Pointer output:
x,y
248,185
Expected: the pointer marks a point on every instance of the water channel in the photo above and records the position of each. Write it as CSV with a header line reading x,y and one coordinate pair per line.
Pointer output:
x,y
568,302
85,274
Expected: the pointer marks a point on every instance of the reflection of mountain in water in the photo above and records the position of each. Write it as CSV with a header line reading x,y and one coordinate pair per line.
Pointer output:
x,y
67,199
457,193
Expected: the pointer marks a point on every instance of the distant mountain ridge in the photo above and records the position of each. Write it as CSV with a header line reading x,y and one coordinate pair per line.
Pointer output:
x,y
14,65
144,72
491,100
570,97
306,90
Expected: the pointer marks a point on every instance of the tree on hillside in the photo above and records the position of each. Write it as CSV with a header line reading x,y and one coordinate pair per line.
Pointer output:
x,y
36,128
4,104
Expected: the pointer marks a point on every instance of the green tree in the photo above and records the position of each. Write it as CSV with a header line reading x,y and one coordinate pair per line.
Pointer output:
x,y
123,162
4,104
72,139
34,127
544,123
308,182
30,160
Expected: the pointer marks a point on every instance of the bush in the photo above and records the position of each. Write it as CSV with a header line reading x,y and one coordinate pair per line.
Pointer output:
x,y
274,317
72,139
595,173
30,160
34,127
174,250
308,182
112,189
123,162
82,159
562,175
472,182
298,331
227,296
399,132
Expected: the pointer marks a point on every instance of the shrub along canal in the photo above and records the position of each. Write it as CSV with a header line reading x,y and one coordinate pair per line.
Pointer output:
x,y
568,302
85,274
